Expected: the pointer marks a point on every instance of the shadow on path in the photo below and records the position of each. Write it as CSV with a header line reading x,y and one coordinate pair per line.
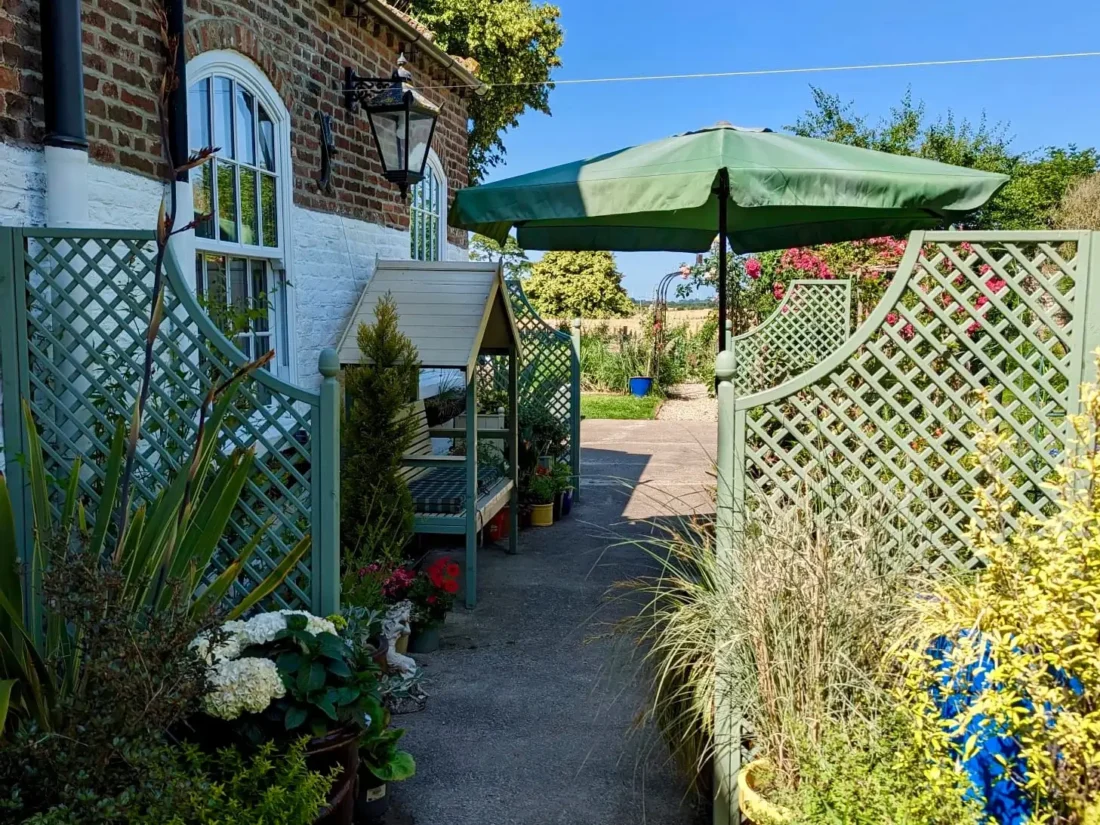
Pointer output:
x,y
532,708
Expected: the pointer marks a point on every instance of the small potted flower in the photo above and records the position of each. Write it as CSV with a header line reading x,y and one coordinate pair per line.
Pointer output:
x,y
562,474
432,595
542,491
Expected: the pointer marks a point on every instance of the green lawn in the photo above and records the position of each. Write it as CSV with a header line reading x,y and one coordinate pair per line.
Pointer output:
x,y
619,406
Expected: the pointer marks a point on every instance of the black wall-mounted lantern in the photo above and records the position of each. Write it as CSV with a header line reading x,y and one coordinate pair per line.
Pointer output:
x,y
402,121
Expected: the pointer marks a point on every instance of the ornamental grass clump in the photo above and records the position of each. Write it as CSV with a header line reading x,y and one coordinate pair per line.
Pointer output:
x,y
1001,672
791,624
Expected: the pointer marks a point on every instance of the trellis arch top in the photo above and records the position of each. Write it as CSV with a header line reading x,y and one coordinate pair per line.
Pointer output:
x,y
810,324
452,312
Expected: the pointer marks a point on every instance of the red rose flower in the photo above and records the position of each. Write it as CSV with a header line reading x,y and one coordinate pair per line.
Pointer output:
x,y
453,570
450,586
432,599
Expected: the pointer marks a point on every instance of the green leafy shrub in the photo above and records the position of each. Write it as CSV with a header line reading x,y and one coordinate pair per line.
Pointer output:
x,y
183,785
866,773
376,509
1029,620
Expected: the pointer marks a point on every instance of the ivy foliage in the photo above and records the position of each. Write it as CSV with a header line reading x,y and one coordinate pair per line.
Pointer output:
x,y
515,43
578,284
1039,179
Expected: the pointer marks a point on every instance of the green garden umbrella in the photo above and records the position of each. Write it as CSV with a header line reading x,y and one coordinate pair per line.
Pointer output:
x,y
757,188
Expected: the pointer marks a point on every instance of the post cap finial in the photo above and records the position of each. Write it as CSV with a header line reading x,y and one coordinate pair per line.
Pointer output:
x,y
726,365
329,363
576,323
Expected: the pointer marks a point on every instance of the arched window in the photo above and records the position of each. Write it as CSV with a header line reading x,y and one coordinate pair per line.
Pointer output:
x,y
427,213
241,248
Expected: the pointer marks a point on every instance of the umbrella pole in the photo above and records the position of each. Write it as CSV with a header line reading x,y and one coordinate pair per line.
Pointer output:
x,y
723,263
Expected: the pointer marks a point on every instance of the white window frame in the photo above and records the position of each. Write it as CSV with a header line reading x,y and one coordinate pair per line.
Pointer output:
x,y
436,165
236,66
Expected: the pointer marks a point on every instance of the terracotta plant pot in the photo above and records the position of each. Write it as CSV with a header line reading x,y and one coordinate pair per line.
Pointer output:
x,y
402,644
753,805
542,515
425,639
338,749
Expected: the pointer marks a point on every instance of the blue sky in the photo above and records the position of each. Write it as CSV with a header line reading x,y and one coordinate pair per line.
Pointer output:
x,y
1046,103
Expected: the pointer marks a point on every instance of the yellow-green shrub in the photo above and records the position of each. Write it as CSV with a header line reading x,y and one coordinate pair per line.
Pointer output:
x,y
1032,613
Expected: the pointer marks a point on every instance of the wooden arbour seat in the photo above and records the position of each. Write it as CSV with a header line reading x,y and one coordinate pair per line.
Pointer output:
x,y
440,484
454,313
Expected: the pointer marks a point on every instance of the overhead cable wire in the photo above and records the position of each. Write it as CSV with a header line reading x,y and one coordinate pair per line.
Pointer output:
x,y
864,67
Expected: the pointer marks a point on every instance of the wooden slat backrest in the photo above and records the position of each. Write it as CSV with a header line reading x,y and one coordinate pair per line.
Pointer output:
x,y
422,439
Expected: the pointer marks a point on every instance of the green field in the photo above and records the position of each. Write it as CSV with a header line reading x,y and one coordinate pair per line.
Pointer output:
x,y
619,406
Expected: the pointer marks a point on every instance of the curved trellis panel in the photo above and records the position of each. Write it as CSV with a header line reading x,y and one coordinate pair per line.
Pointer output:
x,y
549,372
976,331
76,353
808,326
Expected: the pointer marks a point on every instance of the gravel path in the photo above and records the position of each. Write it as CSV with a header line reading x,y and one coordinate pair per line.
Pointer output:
x,y
689,402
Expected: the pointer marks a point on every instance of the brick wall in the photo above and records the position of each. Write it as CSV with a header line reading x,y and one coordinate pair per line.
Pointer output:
x,y
302,46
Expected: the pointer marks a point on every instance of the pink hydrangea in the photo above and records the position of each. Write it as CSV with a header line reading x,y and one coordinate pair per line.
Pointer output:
x,y
753,268
985,269
973,328
996,284
981,301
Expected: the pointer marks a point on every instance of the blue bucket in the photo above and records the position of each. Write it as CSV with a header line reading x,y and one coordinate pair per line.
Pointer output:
x,y
640,387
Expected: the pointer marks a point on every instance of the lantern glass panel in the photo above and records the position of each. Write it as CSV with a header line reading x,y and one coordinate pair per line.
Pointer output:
x,y
389,128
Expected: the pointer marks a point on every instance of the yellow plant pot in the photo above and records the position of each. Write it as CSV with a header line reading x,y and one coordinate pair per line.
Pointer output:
x,y
542,515
753,805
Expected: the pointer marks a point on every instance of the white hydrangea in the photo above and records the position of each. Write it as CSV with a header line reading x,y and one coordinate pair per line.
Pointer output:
x,y
227,649
243,686
248,685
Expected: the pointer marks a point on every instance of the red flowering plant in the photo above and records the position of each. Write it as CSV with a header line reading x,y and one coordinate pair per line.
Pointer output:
x,y
398,585
433,593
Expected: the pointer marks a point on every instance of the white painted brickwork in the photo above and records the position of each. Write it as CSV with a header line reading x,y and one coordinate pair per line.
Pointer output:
x,y
332,257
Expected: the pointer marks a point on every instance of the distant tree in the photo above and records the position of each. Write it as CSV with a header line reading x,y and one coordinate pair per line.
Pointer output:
x,y
1039,179
515,44
1080,208
570,284
516,265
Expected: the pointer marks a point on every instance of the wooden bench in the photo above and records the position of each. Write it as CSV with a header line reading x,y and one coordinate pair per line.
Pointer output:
x,y
443,485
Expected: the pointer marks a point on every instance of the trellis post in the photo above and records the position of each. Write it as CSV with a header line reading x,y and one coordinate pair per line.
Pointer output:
x,y
13,388
727,746
729,333
326,523
575,413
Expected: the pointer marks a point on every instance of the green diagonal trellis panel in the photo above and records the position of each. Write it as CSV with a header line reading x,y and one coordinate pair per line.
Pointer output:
x,y
85,296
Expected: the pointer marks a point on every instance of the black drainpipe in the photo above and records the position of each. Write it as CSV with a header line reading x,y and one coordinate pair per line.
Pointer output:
x,y
63,74
177,101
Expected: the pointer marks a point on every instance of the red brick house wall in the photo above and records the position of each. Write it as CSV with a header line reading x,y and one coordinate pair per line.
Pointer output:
x,y
301,45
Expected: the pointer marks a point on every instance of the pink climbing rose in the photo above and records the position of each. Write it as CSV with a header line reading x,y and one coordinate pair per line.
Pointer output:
x,y
778,291
753,268
907,332
891,318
